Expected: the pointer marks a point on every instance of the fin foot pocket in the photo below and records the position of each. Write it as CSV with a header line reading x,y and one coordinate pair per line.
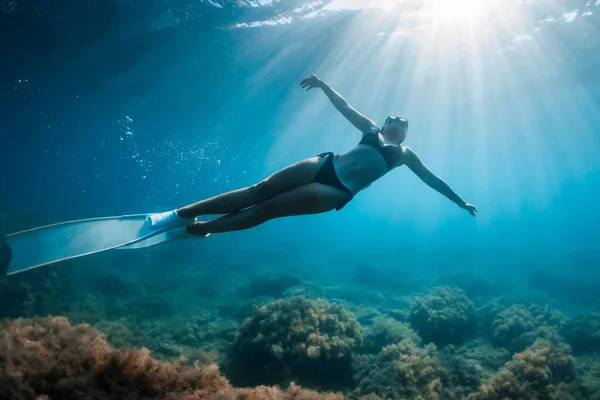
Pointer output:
x,y
168,220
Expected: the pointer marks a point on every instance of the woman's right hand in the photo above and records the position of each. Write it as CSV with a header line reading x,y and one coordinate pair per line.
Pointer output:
x,y
470,208
311,82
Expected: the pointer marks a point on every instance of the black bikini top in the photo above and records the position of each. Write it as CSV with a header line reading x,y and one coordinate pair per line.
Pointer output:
x,y
389,153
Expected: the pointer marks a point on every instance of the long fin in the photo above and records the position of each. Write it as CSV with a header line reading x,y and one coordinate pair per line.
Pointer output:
x,y
63,241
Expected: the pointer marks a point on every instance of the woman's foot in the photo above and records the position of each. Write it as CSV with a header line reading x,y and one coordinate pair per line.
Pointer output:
x,y
168,220
183,233
197,229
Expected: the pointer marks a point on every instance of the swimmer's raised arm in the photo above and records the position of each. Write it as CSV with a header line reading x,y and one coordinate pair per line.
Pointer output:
x,y
361,122
412,161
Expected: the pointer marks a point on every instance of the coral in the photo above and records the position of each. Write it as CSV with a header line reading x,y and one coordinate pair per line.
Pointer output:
x,y
543,371
386,331
30,293
370,396
487,312
308,290
364,314
50,358
158,335
117,333
87,309
400,371
468,366
583,333
481,353
170,338
169,350
444,315
191,332
293,392
546,316
517,327
399,308
513,328
589,370
202,332
309,341
205,357
33,293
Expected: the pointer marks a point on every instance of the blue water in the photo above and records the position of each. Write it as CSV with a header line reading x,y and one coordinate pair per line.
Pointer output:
x,y
122,107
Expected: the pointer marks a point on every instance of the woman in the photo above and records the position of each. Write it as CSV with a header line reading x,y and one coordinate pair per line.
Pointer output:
x,y
311,186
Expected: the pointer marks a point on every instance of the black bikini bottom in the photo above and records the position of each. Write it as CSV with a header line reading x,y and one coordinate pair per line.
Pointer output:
x,y
327,176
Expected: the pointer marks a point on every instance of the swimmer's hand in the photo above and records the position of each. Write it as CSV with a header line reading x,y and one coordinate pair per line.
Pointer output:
x,y
311,82
470,208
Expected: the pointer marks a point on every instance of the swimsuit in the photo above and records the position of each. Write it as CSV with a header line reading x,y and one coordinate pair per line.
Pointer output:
x,y
387,152
327,175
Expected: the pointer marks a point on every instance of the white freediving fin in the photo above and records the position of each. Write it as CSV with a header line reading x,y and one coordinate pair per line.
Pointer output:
x,y
63,241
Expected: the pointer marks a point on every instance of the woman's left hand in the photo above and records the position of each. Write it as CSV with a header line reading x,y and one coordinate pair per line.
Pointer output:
x,y
311,82
470,208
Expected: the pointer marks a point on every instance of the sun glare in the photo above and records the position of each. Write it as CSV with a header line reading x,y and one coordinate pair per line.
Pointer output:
x,y
466,10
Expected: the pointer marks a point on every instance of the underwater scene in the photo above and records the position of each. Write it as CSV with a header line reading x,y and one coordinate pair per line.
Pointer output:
x,y
298,199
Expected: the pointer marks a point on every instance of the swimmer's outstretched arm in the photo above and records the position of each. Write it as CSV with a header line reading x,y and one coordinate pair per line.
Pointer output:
x,y
415,164
361,122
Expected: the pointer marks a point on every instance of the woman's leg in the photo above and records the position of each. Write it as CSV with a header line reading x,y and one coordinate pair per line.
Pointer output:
x,y
313,198
288,178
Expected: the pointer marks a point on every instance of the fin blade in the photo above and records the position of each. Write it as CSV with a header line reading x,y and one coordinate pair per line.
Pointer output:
x,y
63,241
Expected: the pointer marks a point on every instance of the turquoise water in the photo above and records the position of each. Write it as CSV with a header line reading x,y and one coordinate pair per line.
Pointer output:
x,y
124,107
